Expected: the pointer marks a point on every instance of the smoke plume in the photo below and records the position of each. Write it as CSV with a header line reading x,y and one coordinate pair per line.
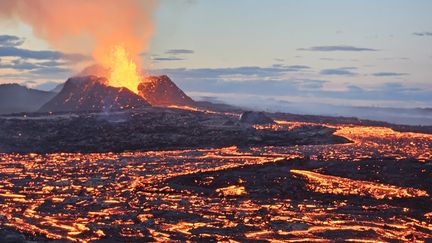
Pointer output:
x,y
87,26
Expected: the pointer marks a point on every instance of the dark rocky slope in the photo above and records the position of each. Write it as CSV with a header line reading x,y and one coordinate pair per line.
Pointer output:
x,y
161,91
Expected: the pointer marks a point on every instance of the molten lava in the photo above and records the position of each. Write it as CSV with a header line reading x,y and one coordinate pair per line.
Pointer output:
x,y
123,70
375,189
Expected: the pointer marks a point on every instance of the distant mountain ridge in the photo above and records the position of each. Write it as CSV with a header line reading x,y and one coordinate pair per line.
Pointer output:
x,y
15,98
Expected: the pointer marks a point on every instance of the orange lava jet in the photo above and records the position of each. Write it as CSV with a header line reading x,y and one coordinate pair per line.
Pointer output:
x,y
123,70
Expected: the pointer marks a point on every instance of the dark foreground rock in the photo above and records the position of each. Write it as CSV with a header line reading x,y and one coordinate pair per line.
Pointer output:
x,y
145,129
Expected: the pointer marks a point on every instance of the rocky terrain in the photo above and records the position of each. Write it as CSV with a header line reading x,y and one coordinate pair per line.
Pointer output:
x,y
145,129
366,190
280,180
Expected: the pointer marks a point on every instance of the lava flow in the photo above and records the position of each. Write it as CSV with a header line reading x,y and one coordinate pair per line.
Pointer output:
x,y
374,189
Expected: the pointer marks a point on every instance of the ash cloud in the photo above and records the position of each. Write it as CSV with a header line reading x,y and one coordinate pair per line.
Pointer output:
x,y
81,26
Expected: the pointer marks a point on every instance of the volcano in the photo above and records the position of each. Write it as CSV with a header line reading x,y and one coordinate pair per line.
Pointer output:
x,y
162,91
92,93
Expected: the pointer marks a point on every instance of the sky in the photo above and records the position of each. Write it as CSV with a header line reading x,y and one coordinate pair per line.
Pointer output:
x,y
333,52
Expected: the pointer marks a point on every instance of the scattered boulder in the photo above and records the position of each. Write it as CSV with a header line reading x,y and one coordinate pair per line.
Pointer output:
x,y
255,118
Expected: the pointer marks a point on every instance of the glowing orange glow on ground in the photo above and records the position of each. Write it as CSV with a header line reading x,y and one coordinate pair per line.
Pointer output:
x,y
339,185
85,197
233,190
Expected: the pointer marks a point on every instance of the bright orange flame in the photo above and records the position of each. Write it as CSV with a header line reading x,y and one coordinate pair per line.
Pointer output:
x,y
123,70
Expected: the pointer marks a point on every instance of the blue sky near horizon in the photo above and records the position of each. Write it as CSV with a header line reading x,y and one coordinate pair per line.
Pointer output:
x,y
371,53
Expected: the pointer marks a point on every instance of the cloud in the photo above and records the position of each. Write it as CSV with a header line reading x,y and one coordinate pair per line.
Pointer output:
x,y
274,81
423,33
51,63
167,59
9,48
172,55
242,80
394,58
309,84
24,53
297,67
18,65
30,65
336,48
11,40
246,73
389,74
344,71
10,51
50,70
33,66
179,51
291,68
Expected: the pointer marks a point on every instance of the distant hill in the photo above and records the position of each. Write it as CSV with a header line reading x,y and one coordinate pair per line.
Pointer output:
x,y
15,98
91,93
162,91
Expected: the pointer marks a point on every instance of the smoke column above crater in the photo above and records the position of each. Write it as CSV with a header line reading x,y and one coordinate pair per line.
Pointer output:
x,y
113,32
